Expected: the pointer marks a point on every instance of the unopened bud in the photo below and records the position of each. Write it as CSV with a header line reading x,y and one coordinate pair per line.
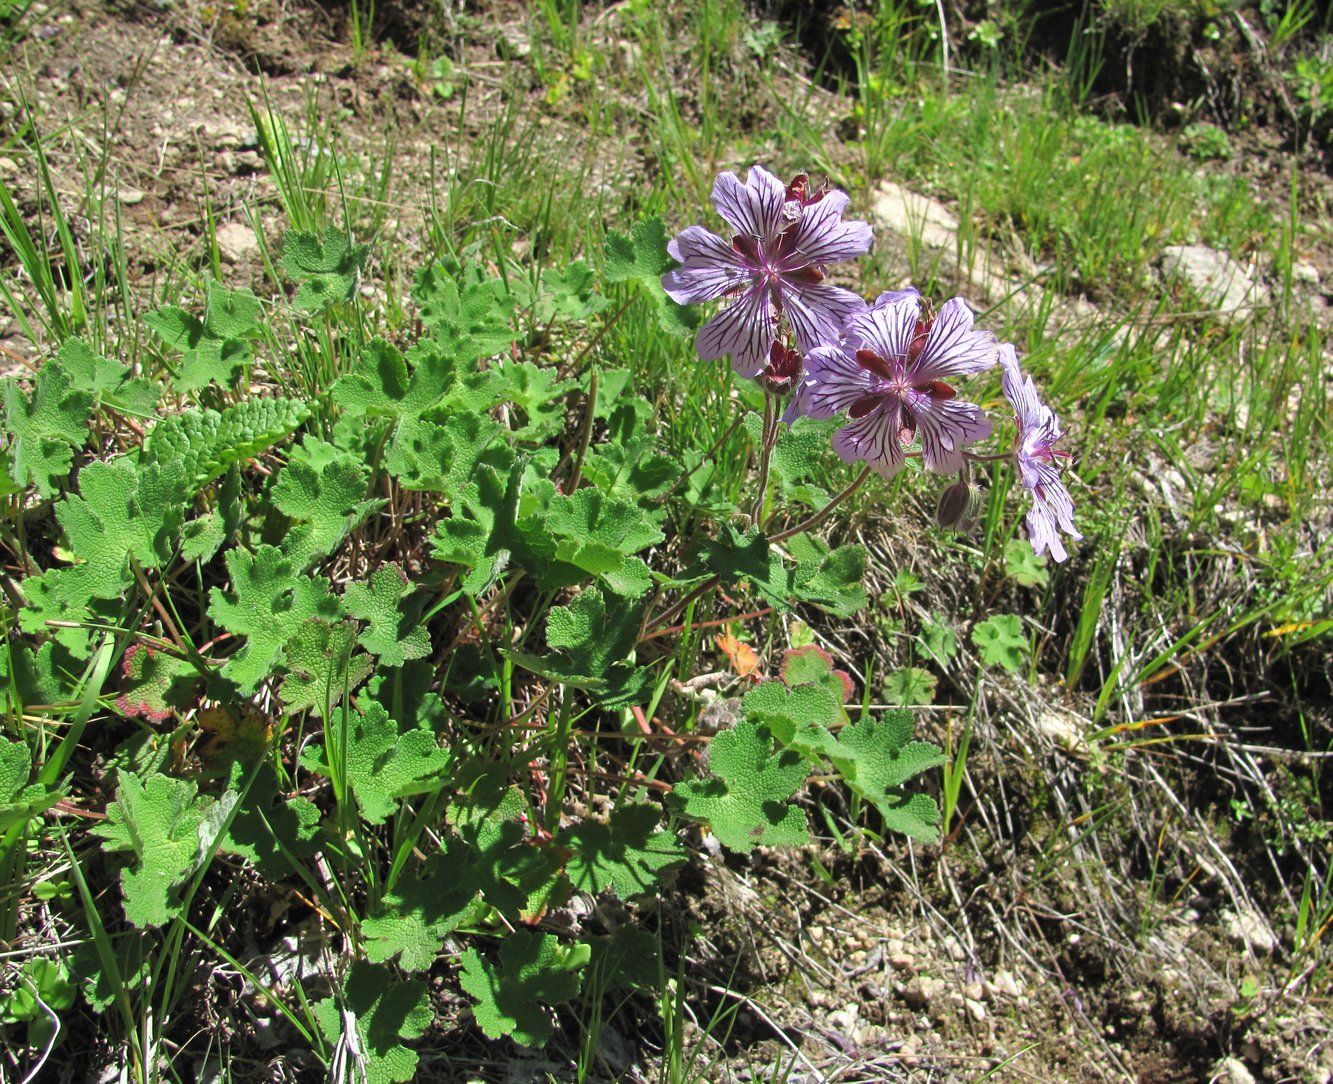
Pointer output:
x,y
959,507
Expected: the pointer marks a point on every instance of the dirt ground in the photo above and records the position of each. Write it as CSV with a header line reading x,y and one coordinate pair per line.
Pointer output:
x,y
1146,954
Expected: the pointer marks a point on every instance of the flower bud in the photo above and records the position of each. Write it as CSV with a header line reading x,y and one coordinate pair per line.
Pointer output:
x,y
959,507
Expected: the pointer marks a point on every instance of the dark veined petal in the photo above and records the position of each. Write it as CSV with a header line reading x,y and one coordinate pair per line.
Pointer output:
x,y
945,429
1038,429
1052,511
888,297
873,439
821,237
710,268
952,347
887,327
818,314
754,208
743,330
833,382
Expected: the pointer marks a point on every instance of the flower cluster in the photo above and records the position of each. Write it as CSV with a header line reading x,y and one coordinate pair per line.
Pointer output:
x,y
888,366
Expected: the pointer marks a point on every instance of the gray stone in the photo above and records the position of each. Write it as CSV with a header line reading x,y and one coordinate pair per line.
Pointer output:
x,y
1218,280
913,215
237,242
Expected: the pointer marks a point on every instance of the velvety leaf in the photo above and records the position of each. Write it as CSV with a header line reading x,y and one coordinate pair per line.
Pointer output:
x,y
533,972
268,603
745,802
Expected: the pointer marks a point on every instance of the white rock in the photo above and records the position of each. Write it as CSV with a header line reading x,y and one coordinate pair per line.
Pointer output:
x,y
1249,929
1232,1071
913,215
975,1009
130,196
1305,273
236,241
1218,280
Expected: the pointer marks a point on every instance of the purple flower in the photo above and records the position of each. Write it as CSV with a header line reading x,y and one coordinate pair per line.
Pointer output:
x,y
1034,449
889,375
772,268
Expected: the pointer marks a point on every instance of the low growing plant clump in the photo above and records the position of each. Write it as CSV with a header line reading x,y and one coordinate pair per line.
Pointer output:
x,y
402,646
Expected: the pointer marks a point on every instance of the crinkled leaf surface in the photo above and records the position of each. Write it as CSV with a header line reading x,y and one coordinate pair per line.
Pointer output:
x,y
269,830
159,823
832,579
154,683
392,627
325,268
533,973
425,907
20,800
876,757
641,258
108,381
382,764
383,1010
380,386
626,854
745,803
122,512
324,489
517,878
471,315
207,443
268,603
323,668
45,427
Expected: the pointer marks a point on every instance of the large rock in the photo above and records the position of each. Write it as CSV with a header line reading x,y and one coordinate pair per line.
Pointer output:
x,y
1215,278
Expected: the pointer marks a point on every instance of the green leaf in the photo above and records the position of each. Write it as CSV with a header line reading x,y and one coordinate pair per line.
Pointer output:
x,y
382,765
591,639
539,393
642,258
213,348
268,604
517,878
122,513
801,718
472,322
323,669
325,489
480,535
568,294
938,640
750,558
46,427
442,456
626,854
876,757
153,684
533,972
910,686
325,269
161,824
108,381
1002,642
21,801
268,830
629,465
413,922
379,385
830,579
392,632
745,802
1022,564
206,444
383,1010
